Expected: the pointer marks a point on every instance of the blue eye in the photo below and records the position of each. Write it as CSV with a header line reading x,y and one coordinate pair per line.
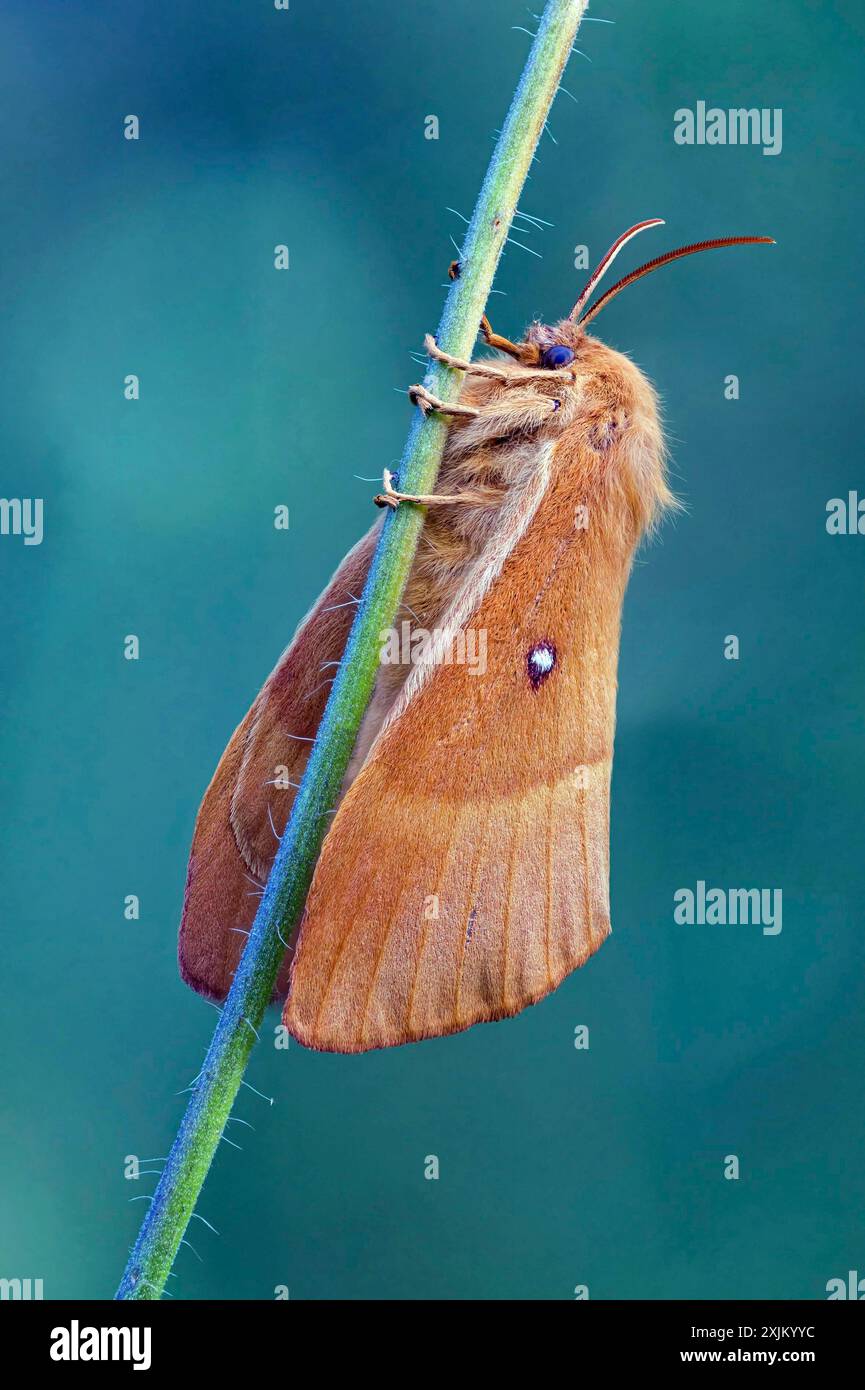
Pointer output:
x,y
557,356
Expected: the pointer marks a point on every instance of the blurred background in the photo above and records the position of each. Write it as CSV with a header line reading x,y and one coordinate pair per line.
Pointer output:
x,y
558,1167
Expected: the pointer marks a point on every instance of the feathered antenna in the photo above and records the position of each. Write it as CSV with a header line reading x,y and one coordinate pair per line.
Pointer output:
x,y
665,260
603,265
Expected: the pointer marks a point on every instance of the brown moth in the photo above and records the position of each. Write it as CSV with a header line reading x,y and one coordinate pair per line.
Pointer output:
x,y
466,871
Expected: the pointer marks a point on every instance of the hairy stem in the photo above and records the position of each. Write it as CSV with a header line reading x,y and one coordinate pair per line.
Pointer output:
x,y
217,1084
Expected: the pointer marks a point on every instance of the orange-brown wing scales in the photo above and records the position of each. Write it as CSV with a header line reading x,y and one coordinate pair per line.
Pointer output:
x,y
466,872
249,800
515,905
221,896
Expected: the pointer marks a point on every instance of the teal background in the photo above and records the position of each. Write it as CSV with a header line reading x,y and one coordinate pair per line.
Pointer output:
x,y
558,1167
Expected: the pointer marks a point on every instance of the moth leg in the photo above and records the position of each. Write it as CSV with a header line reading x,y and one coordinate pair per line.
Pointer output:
x,y
460,365
390,498
426,401
527,353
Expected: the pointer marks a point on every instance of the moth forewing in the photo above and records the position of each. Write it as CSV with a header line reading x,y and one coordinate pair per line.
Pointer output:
x,y
466,872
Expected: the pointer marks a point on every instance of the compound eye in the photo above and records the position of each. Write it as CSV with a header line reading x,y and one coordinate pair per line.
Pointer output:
x,y
557,356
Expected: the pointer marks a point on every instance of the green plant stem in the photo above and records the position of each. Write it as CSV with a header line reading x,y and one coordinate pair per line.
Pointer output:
x,y
214,1089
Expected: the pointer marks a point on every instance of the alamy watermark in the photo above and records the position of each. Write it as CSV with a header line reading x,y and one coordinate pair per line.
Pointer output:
x,y
729,907
845,516
849,1287
22,516
24,1289
77,1343
407,645
712,125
